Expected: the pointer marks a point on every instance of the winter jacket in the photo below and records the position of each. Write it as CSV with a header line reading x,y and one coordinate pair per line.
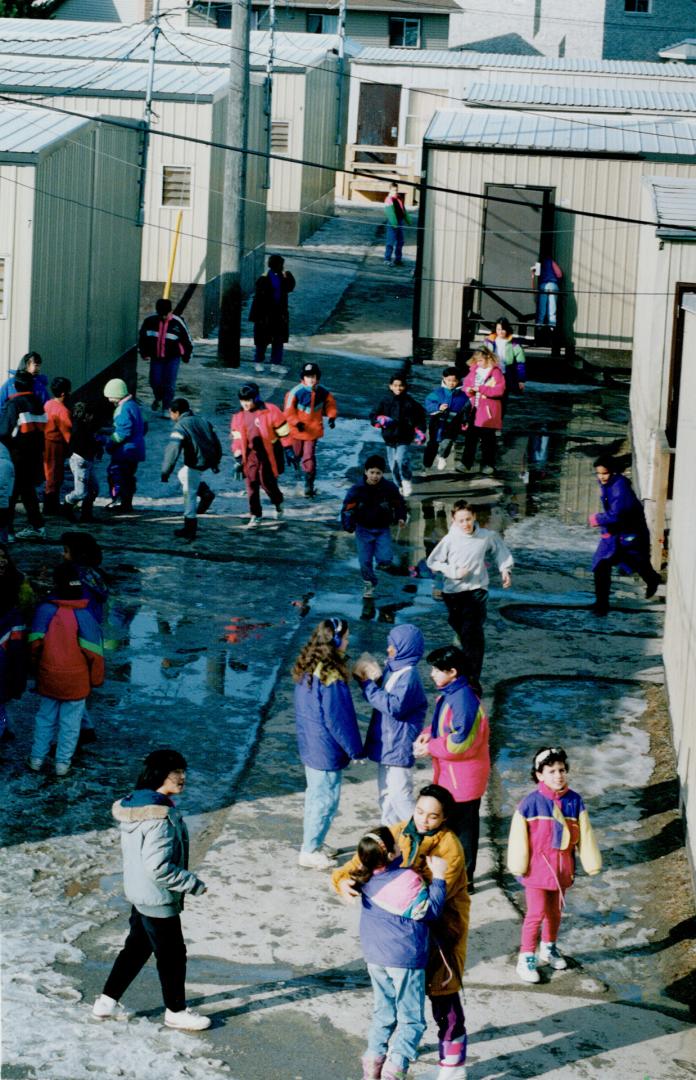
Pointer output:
x,y
165,338
487,404
448,938
199,442
155,846
272,426
625,538
95,590
40,388
372,506
513,362
400,418
67,649
458,550
7,476
328,737
13,654
459,742
305,407
397,910
84,440
58,422
398,701
22,427
395,212
128,438
269,308
456,401
547,828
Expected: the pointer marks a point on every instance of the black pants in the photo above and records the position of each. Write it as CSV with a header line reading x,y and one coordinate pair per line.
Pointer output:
x,y
602,578
487,437
466,825
162,937
25,489
467,614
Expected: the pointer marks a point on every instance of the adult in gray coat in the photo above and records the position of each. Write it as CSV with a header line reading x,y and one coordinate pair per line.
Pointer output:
x,y
154,843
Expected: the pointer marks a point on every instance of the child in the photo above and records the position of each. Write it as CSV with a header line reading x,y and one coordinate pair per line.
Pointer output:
x,y
401,420
22,426
547,828
398,705
509,355
84,554
258,431
201,446
56,442
305,406
13,639
86,448
165,341
66,648
31,364
397,907
461,558
127,445
485,386
426,834
328,737
457,741
448,408
369,510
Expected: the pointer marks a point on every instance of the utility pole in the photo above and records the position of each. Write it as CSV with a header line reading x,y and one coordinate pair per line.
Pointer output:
x,y
341,70
147,117
234,190
268,103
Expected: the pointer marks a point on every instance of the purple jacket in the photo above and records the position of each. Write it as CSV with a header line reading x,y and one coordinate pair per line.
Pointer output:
x,y
398,701
397,907
625,538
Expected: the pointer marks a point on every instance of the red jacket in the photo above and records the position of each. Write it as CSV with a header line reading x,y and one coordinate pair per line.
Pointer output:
x,y
272,426
307,406
66,647
487,399
59,422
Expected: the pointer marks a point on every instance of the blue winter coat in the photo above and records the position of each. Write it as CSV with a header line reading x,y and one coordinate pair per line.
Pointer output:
x,y
327,727
397,908
625,538
455,400
128,439
398,701
40,388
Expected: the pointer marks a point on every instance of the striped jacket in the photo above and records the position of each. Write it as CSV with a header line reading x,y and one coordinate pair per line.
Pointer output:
x,y
66,646
547,829
308,406
22,426
397,907
165,338
459,742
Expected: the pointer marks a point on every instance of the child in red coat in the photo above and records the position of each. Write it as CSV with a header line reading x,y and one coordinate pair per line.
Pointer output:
x,y
305,407
485,385
56,442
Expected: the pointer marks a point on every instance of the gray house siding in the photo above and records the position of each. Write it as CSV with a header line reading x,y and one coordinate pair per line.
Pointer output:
x,y
365,27
640,37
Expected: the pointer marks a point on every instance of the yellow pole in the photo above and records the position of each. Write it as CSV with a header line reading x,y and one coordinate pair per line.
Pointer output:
x,y
172,258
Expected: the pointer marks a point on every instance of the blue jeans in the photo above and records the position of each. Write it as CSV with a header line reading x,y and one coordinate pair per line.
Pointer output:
x,y
321,803
399,463
62,715
547,304
395,243
163,375
399,1003
373,544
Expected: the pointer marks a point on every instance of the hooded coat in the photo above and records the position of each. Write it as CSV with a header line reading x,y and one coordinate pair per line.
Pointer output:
x,y
155,846
398,701
625,538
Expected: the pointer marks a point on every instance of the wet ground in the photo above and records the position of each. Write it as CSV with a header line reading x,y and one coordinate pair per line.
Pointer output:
x,y
199,642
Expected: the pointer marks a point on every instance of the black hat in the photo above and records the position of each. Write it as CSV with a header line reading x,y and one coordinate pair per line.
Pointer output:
x,y
310,369
248,392
375,461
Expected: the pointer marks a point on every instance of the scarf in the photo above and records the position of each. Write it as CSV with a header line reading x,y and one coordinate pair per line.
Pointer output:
x,y
414,837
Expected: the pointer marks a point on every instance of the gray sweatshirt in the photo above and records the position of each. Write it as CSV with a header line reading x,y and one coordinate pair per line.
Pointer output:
x,y
459,551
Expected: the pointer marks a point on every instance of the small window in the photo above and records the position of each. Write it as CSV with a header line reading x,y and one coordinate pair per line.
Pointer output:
x,y
3,288
176,185
321,24
280,137
404,33
637,7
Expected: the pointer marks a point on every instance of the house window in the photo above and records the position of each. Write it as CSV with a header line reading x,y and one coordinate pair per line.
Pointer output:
x,y
176,185
3,288
321,24
404,33
637,7
280,137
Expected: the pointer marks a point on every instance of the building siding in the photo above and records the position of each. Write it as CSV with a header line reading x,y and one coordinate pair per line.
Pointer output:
x,y
16,241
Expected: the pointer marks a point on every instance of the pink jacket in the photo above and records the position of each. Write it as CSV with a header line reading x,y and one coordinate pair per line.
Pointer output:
x,y
459,742
547,829
487,399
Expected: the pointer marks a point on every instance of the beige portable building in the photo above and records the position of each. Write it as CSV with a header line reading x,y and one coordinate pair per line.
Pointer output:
x,y
69,241
502,189
663,399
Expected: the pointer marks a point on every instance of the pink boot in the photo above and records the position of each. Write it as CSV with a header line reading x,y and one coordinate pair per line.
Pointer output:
x,y
372,1066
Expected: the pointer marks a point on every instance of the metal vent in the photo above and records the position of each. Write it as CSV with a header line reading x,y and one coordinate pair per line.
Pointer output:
x,y
176,185
280,137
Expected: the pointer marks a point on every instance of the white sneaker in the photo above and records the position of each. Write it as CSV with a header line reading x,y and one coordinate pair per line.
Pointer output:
x,y
278,512
252,522
406,488
186,1020
31,534
62,768
549,954
368,589
258,367
441,463
315,860
35,764
279,369
105,1008
527,967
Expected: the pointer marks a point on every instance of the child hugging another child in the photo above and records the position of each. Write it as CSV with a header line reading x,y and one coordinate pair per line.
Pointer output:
x,y
397,907
548,827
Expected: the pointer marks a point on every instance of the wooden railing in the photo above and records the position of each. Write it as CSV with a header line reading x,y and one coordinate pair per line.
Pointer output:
x,y
523,323
383,163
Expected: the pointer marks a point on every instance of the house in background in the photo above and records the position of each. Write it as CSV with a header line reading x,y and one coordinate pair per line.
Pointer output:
x,y
69,242
388,23
124,11
594,29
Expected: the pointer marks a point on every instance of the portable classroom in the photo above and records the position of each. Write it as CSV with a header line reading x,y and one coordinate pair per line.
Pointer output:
x,y
69,241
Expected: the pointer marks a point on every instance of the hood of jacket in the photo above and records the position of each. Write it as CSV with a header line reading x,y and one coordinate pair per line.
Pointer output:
x,y
409,644
141,805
